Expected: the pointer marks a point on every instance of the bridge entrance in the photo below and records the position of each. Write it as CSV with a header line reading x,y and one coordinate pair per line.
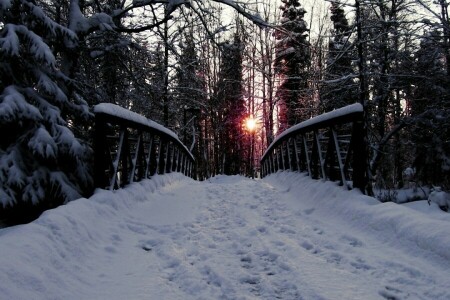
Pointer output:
x,y
130,147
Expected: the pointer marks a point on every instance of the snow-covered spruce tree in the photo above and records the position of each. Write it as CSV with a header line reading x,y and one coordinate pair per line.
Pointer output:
x,y
291,63
430,110
41,160
339,88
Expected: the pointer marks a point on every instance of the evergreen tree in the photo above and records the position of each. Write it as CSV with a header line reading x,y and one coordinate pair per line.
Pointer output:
x,y
292,61
430,109
229,93
190,98
339,88
190,85
40,156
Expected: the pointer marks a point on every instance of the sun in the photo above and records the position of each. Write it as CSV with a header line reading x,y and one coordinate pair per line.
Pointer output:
x,y
250,123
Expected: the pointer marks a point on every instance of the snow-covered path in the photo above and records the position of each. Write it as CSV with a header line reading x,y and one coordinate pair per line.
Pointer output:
x,y
286,237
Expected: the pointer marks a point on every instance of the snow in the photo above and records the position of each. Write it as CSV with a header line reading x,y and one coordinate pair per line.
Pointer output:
x,y
117,111
77,23
10,43
439,197
5,4
340,112
15,107
38,48
42,143
120,112
255,18
286,237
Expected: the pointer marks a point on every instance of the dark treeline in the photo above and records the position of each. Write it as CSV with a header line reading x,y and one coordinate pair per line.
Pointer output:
x,y
202,71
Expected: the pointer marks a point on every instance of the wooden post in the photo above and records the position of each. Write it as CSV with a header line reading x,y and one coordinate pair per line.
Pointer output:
x,y
112,182
101,165
296,153
360,180
135,158
338,153
308,161
282,156
147,167
288,148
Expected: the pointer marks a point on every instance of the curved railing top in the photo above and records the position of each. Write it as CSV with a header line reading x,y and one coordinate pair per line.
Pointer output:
x,y
121,114
337,116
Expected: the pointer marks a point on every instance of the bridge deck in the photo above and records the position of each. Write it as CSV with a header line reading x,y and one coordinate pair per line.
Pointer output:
x,y
285,237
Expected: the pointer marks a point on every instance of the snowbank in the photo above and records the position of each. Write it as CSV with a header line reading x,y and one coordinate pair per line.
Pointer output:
x,y
413,226
53,256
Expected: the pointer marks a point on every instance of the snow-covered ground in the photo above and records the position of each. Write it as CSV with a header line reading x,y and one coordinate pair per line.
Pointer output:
x,y
284,237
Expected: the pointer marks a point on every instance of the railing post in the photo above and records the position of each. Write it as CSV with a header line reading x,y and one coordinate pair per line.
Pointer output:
x,y
338,153
272,159
147,167
282,155
160,150
172,154
125,155
174,160
183,163
116,162
135,158
178,166
360,179
288,148
308,161
278,159
100,154
296,153
319,152
166,157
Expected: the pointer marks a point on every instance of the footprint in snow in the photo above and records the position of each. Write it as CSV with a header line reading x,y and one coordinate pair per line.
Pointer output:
x,y
287,230
267,256
278,243
309,211
253,206
360,265
306,245
392,293
110,249
262,229
318,230
149,245
352,241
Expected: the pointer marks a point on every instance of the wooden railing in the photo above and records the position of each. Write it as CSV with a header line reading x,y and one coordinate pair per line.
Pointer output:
x,y
129,147
329,146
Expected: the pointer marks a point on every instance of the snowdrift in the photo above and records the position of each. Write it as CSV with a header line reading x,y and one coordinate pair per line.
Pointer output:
x,y
414,226
53,254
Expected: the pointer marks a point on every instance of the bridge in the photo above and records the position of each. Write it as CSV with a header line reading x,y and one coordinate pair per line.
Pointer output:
x,y
153,232
129,147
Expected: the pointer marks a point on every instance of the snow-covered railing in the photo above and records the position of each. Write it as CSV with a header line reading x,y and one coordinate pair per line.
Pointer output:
x,y
329,146
129,147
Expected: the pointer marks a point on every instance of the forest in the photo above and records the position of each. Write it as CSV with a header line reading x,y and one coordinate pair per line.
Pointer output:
x,y
226,76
